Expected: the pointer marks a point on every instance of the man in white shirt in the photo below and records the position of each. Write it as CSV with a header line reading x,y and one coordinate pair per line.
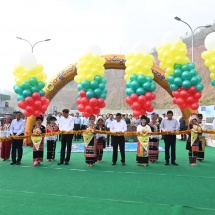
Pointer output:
x,y
108,124
17,128
118,126
66,124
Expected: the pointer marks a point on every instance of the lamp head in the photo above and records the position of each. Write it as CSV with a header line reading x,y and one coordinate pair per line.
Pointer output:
x,y
47,40
207,26
19,38
177,18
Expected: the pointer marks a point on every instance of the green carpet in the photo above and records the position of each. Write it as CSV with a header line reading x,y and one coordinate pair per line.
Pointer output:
x,y
106,189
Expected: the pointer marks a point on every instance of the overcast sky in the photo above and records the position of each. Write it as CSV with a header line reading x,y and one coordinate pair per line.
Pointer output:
x,y
73,25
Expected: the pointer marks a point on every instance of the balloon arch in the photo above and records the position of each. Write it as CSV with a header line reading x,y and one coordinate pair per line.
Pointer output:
x,y
67,75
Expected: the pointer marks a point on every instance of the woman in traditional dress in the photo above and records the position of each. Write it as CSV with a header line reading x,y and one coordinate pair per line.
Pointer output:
x,y
51,140
154,139
6,144
90,141
101,138
194,140
142,144
38,141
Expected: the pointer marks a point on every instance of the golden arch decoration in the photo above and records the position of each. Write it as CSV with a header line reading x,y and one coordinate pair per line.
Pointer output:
x,y
67,75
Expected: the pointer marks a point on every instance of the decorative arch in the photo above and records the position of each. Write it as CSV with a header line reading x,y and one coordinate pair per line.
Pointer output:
x,y
113,61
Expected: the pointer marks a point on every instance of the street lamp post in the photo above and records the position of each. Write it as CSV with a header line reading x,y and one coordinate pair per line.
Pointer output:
x,y
32,46
193,31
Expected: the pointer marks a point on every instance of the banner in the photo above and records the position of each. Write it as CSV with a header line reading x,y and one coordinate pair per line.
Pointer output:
x,y
36,141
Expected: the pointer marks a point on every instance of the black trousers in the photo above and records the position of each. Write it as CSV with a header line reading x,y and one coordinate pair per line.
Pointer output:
x,y
170,141
66,142
17,146
118,141
109,137
51,146
77,127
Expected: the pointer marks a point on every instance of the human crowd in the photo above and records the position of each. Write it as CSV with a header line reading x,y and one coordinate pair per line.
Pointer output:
x,y
147,145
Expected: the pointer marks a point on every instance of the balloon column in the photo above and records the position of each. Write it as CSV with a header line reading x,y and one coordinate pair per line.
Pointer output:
x,y
91,84
30,82
140,84
209,55
181,74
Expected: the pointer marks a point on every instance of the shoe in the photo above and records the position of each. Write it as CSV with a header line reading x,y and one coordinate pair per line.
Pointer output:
x,y
60,163
66,163
174,164
18,163
113,163
12,163
123,164
166,163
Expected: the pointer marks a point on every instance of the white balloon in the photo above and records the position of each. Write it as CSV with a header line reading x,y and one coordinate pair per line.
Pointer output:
x,y
28,60
140,47
210,41
94,49
170,37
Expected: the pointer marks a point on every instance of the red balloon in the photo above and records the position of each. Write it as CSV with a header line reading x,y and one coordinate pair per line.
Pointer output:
x,y
88,109
197,95
148,96
136,113
134,97
136,106
29,100
36,96
174,100
194,106
47,102
96,110
43,99
180,101
29,109
192,90
22,104
86,114
85,101
42,109
147,104
142,99
78,101
82,93
176,93
183,93
81,108
189,100
150,109
36,113
153,96
128,100
100,101
102,105
183,106
37,104
93,102
27,114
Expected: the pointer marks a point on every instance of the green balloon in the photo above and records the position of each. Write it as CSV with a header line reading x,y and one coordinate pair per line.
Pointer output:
x,y
94,84
193,72
149,79
34,89
33,81
177,66
101,86
85,85
140,91
141,79
98,78
213,83
17,89
153,87
170,79
186,75
186,84
104,80
146,86
26,93
199,87
26,85
177,73
133,77
173,87
178,81
40,85
185,67
128,84
199,78
20,97
104,91
194,80
97,92
135,84
90,94
103,96
42,93
191,65
129,91
79,87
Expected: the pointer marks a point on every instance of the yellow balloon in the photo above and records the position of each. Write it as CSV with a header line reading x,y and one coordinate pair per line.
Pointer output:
x,y
19,81
38,68
212,76
77,79
208,63
90,77
212,68
127,77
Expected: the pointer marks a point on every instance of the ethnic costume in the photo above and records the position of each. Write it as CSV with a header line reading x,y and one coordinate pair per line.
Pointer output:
x,y
194,142
6,144
154,143
51,141
142,145
38,144
90,151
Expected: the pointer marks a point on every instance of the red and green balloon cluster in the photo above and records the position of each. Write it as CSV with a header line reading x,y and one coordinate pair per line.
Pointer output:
x,y
186,86
140,96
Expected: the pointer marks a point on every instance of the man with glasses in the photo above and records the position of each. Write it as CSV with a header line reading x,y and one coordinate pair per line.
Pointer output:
x,y
118,126
171,125
66,124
